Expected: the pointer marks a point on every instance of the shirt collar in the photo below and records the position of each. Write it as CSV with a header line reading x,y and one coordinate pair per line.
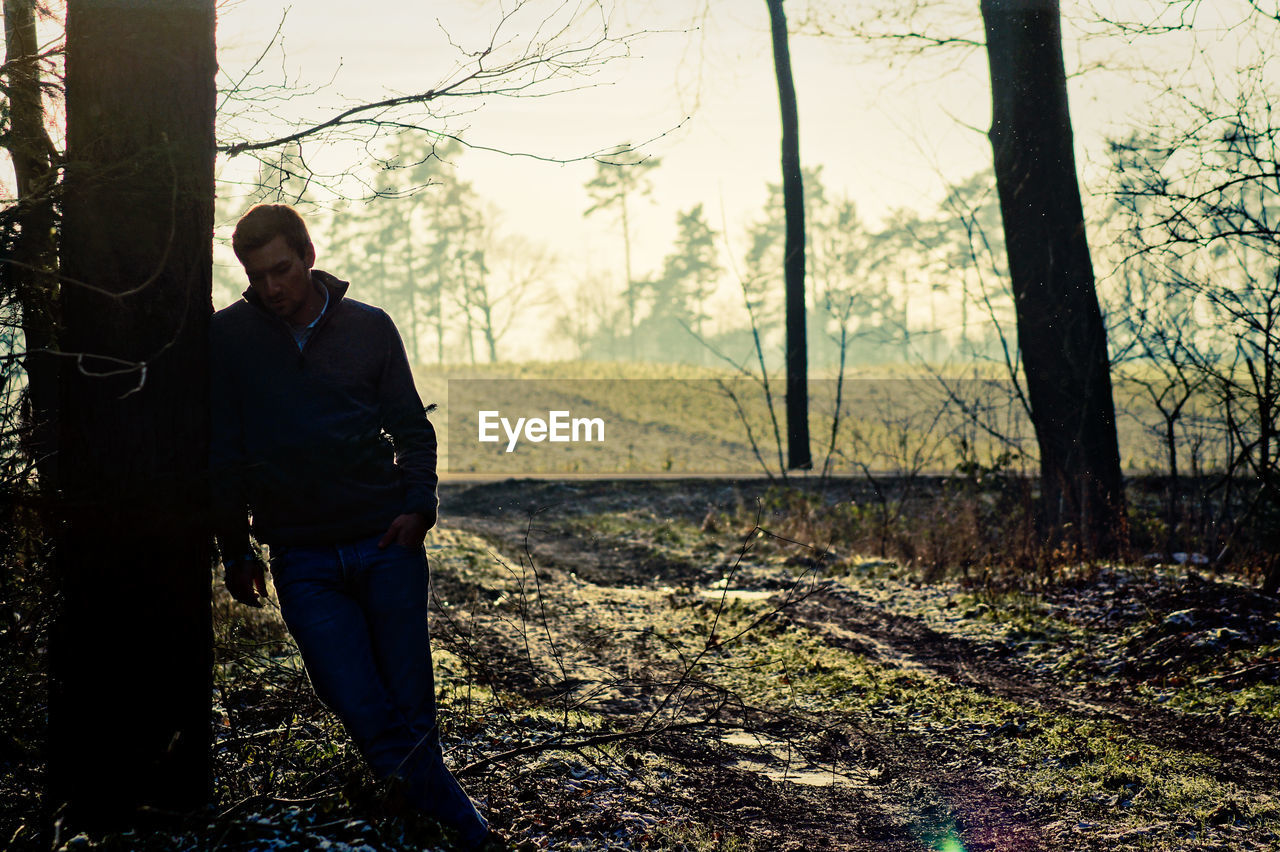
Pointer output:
x,y
323,289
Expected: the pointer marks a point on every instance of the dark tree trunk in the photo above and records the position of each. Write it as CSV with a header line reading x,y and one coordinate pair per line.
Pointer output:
x,y
129,722
33,272
798,457
1060,331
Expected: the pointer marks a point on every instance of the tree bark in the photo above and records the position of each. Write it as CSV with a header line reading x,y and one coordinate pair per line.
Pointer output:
x,y
798,455
34,261
129,723
1060,330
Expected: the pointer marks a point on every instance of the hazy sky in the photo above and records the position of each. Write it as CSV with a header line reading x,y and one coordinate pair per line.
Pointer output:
x,y
708,93
886,133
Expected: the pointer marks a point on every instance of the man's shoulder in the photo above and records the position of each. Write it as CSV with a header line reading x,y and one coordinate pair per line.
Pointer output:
x,y
233,317
362,308
363,314
343,303
241,328
234,312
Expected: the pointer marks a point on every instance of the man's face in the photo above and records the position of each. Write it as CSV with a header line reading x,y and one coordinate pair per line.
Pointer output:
x,y
282,279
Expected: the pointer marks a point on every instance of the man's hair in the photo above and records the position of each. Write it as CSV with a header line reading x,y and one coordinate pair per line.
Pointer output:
x,y
264,223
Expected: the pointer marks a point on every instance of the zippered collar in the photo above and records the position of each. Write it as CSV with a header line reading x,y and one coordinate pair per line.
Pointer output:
x,y
336,288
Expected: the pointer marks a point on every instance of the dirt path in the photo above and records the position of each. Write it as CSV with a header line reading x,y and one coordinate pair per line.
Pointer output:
x,y
801,776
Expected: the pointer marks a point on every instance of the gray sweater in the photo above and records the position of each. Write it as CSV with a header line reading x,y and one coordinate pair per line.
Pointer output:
x,y
324,445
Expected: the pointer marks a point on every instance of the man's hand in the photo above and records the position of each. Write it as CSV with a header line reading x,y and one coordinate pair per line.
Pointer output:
x,y
245,581
407,530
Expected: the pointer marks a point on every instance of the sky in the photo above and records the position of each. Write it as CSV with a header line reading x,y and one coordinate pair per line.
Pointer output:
x,y
703,91
698,90
887,130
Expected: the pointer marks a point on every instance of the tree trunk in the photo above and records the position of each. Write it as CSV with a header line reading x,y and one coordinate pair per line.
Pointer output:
x,y
129,721
798,456
439,311
631,284
34,265
411,286
490,338
1060,331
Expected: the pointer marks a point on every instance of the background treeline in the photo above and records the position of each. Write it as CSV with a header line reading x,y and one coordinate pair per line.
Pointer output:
x,y
1188,287
466,286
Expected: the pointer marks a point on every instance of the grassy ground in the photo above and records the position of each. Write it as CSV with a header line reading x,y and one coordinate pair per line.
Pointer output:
x,y
711,665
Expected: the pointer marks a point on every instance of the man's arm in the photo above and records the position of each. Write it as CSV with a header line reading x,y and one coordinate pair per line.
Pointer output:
x,y
414,438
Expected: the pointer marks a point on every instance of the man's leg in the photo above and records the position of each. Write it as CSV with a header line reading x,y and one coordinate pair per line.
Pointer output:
x,y
394,590
321,601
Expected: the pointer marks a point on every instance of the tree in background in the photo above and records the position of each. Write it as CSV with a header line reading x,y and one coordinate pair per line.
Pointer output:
x,y
969,238
131,657
620,178
856,299
1159,354
1060,331
798,455
424,246
1203,234
519,272
677,299
764,274
30,273
761,276
401,229
441,256
587,317
460,229
853,270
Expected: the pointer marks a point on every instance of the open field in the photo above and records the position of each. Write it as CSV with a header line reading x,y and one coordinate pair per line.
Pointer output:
x,y
673,419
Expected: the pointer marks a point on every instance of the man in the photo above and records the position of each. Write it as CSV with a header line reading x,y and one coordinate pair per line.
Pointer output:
x,y
319,433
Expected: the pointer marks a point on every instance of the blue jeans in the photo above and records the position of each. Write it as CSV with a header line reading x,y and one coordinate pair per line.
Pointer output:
x,y
359,616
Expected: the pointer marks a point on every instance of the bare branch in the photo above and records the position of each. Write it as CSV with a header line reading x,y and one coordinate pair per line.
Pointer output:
x,y
552,58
